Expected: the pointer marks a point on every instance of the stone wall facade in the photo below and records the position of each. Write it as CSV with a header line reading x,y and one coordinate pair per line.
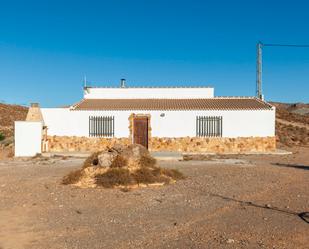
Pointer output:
x,y
184,144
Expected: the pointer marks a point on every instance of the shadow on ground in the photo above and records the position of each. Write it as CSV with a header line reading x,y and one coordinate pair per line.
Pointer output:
x,y
296,166
303,215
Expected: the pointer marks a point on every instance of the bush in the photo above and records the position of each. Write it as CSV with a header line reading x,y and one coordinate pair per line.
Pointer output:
x,y
114,177
148,175
73,177
119,162
148,161
2,137
145,175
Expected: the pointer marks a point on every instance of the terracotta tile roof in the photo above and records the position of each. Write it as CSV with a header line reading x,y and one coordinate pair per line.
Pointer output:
x,y
218,103
164,86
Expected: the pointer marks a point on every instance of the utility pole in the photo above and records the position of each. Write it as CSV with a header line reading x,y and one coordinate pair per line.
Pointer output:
x,y
259,46
259,61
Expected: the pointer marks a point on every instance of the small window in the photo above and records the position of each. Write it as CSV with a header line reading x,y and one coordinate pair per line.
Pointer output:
x,y
101,126
208,126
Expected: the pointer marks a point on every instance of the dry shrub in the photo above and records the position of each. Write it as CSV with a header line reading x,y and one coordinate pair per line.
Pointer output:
x,y
73,177
92,160
114,177
148,161
145,175
149,175
119,162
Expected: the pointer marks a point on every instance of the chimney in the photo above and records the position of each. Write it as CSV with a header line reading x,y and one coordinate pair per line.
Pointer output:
x,y
123,83
34,113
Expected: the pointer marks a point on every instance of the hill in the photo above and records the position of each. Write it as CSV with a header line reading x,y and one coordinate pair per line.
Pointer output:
x,y
292,124
9,114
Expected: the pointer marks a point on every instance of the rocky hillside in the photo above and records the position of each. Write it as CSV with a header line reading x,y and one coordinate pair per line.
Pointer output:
x,y
9,114
292,124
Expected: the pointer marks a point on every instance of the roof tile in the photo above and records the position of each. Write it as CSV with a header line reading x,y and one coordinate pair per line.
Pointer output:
x,y
218,103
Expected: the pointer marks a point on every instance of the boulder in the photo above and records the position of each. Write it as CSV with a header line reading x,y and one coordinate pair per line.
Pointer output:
x,y
132,157
134,152
106,158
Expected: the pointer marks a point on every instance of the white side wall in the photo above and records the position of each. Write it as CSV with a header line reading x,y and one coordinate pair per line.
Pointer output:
x,y
151,93
28,138
63,122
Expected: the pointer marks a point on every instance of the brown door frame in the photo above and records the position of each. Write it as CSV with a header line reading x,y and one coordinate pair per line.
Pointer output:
x,y
141,117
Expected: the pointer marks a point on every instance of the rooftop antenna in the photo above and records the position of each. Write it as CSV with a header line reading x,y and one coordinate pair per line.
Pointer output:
x,y
85,81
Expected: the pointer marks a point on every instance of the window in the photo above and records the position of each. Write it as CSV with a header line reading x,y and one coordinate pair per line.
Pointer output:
x,y
101,126
208,126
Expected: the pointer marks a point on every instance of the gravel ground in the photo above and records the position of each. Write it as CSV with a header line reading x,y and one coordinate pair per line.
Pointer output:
x,y
237,202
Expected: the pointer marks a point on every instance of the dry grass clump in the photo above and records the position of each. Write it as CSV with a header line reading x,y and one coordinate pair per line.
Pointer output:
x,y
148,161
119,162
146,175
120,177
73,177
114,177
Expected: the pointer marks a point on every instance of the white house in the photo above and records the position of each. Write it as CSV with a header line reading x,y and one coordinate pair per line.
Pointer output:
x,y
146,115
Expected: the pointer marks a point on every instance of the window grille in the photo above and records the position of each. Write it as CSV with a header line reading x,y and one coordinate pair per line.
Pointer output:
x,y
208,126
101,126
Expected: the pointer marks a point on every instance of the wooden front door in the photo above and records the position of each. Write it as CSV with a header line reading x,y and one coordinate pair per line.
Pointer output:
x,y
140,133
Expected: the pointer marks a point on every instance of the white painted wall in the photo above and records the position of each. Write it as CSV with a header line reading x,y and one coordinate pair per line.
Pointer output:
x,y
63,122
152,93
28,138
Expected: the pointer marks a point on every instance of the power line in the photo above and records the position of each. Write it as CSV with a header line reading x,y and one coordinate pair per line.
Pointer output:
x,y
286,45
259,62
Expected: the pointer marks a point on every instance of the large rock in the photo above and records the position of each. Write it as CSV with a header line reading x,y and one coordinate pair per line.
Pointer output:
x,y
106,158
132,157
134,152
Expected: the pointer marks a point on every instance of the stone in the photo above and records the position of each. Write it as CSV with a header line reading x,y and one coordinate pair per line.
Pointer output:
x,y
137,151
131,157
230,241
106,159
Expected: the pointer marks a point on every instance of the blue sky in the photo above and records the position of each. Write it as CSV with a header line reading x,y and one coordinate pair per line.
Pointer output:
x,y
47,46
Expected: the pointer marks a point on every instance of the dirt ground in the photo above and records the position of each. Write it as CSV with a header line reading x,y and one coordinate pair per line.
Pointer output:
x,y
236,202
